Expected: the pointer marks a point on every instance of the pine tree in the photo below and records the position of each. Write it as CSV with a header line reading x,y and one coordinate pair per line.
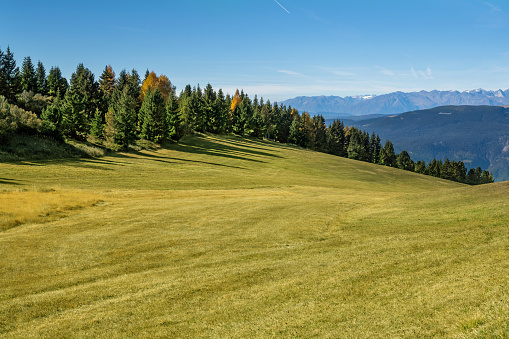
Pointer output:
x,y
125,118
174,119
82,98
152,117
28,81
53,115
356,149
420,167
221,113
336,139
295,133
9,76
320,133
404,162
387,156
106,86
40,79
97,124
56,84
210,110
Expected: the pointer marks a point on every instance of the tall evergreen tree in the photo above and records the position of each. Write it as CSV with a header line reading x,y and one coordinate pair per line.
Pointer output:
x,y
82,98
336,138
40,79
106,86
28,81
387,156
152,116
9,74
404,162
210,110
320,133
174,119
56,84
125,118
356,148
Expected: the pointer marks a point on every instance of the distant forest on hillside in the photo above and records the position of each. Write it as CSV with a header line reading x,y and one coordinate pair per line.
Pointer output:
x,y
117,110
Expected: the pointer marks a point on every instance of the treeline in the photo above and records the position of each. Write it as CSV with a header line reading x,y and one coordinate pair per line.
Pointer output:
x,y
117,110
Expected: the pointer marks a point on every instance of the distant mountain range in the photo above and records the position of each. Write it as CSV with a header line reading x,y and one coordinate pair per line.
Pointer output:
x,y
394,103
476,135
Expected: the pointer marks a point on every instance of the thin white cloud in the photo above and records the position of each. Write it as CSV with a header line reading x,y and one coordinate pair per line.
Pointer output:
x,y
282,7
419,74
285,71
494,17
338,71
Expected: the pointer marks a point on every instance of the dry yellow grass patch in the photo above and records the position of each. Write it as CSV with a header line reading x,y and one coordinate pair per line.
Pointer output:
x,y
19,207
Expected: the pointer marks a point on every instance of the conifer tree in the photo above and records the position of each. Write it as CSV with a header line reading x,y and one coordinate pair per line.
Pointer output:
x,y
82,99
40,79
221,113
56,84
320,133
356,149
9,75
336,138
174,119
125,118
152,116
387,156
404,162
210,113
28,81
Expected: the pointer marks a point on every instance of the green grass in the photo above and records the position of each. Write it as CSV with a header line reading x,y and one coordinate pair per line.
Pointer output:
x,y
228,237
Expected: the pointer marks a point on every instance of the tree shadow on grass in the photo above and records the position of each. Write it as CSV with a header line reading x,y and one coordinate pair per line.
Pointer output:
x,y
167,159
222,148
7,181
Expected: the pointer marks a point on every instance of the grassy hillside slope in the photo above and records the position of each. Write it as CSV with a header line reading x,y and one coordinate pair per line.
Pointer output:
x,y
227,237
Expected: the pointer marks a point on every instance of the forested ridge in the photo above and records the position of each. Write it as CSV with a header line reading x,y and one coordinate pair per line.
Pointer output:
x,y
117,110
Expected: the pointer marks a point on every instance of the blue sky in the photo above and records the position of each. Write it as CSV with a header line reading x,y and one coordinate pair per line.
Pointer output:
x,y
277,51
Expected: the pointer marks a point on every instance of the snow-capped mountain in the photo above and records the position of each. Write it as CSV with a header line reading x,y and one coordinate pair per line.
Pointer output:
x,y
397,102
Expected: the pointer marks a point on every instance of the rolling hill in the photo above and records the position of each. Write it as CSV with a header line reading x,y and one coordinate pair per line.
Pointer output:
x,y
240,238
398,102
476,135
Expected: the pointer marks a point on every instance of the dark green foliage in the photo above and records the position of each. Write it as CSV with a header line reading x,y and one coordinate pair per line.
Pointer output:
x,y
420,167
404,162
40,79
336,139
282,121
221,114
152,117
320,133
56,84
9,76
97,124
295,135
387,156
125,118
374,149
82,100
28,81
106,87
53,115
356,147
174,119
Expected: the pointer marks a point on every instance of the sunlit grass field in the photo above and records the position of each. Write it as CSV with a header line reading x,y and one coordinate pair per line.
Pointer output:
x,y
224,237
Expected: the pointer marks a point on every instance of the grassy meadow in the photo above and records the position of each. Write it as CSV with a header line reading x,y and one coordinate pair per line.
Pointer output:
x,y
224,237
